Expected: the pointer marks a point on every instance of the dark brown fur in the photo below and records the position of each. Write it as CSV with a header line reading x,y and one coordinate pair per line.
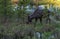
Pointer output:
x,y
38,14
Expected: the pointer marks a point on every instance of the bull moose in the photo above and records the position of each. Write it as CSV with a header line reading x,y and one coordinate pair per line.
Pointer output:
x,y
38,14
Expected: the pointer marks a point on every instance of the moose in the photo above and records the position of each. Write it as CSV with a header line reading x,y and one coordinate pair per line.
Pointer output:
x,y
38,14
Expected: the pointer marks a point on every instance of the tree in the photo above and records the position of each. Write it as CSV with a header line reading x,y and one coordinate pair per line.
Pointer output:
x,y
22,4
5,10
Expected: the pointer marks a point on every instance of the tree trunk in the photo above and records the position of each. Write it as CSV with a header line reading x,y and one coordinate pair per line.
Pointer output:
x,y
5,12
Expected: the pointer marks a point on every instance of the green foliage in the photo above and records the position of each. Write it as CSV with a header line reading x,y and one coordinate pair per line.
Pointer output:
x,y
4,6
24,2
6,10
